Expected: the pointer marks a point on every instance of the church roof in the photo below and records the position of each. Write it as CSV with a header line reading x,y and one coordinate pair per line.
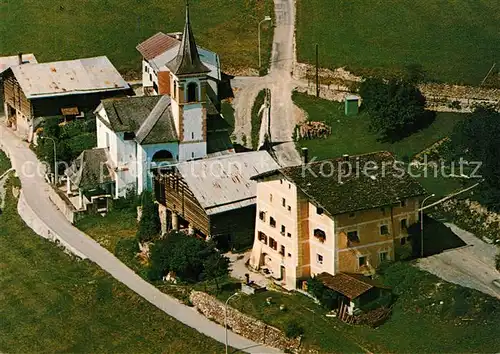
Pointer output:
x,y
148,117
187,60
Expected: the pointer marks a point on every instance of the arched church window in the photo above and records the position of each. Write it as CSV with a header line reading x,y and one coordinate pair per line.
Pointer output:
x,y
192,92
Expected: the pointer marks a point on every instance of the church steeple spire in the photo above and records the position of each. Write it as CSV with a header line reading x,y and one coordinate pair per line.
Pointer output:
x,y
187,60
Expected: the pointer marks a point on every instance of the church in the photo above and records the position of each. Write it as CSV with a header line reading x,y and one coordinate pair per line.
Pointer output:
x,y
138,136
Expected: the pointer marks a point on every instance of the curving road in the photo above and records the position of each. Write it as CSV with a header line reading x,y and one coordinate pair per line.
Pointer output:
x,y
280,82
35,194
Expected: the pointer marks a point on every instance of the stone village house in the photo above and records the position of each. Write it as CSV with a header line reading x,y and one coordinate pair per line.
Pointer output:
x,y
308,225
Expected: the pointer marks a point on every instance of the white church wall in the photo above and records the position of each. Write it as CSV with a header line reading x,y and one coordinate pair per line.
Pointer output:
x,y
193,122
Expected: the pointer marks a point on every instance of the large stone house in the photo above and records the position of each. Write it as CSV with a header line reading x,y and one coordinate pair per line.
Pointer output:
x,y
310,221
74,88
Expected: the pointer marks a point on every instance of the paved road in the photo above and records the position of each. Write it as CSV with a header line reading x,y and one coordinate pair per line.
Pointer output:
x,y
281,83
35,192
471,266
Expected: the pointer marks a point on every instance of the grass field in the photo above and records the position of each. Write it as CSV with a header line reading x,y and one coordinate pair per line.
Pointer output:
x,y
454,41
85,28
4,162
351,135
416,326
51,303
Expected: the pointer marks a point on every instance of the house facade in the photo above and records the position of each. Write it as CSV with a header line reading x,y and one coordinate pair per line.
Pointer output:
x,y
71,89
307,224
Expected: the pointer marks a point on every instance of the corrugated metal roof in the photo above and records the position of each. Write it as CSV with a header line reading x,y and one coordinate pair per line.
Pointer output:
x,y
69,77
8,62
224,183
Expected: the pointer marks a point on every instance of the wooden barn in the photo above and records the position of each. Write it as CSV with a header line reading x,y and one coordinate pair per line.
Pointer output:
x,y
71,89
213,197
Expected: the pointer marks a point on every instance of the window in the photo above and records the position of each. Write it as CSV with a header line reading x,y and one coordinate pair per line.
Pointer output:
x,y
175,89
273,244
289,234
262,215
319,210
384,230
192,89
271,197
383,256
361,261
281,181
289,186
319,259
352,236
282,250
352,215
283,202
283,230
145,68
404,224
192,136
403,203
403,241
107,140
320,235
289,255
192,155
383,211
272,222
289,208
262,237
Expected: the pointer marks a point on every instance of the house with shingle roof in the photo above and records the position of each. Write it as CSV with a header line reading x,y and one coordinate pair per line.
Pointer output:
x,y
340,215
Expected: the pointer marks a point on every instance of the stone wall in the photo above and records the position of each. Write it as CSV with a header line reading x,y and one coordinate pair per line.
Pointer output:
x,y
242,324
64,205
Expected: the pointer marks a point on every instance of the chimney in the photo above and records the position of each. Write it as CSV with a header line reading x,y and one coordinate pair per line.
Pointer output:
x,y
20,58
305,155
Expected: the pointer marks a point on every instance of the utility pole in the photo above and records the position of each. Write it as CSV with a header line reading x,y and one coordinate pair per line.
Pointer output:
x,y
317,71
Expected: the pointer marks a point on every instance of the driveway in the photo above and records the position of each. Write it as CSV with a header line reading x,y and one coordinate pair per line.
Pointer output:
x,y
36,197
472,266
280,82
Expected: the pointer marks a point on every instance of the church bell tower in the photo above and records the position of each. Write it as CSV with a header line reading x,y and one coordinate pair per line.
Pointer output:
x,y
188,93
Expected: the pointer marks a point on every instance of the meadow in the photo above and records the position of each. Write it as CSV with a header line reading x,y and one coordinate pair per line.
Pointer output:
x,y
63,30
454,41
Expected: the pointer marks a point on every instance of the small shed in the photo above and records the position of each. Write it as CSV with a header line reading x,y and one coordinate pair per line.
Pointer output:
x,y
351,105
355,290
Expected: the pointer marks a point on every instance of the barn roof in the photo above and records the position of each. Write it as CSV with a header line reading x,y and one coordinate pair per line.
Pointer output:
x,y
348,284
224,183
70,77
8,62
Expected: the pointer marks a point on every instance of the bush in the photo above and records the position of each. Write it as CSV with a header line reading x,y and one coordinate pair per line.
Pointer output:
x,y
126,249
327,297
293,329
149,226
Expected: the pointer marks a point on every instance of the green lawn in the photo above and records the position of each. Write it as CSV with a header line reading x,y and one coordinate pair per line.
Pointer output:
x,y
51,303
454,41
4,162
467,321
114,28
351,135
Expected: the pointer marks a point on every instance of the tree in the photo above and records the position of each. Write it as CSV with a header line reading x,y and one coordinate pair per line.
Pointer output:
x,y
477,139
215,266
190,258
396,107
149,225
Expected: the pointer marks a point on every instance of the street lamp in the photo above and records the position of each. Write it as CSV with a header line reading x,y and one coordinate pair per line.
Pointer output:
x,y
422,224
55,157
267,18
225,315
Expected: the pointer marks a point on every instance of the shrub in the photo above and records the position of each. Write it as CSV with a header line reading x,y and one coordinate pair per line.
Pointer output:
x,y
126,249
149,226
293,329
